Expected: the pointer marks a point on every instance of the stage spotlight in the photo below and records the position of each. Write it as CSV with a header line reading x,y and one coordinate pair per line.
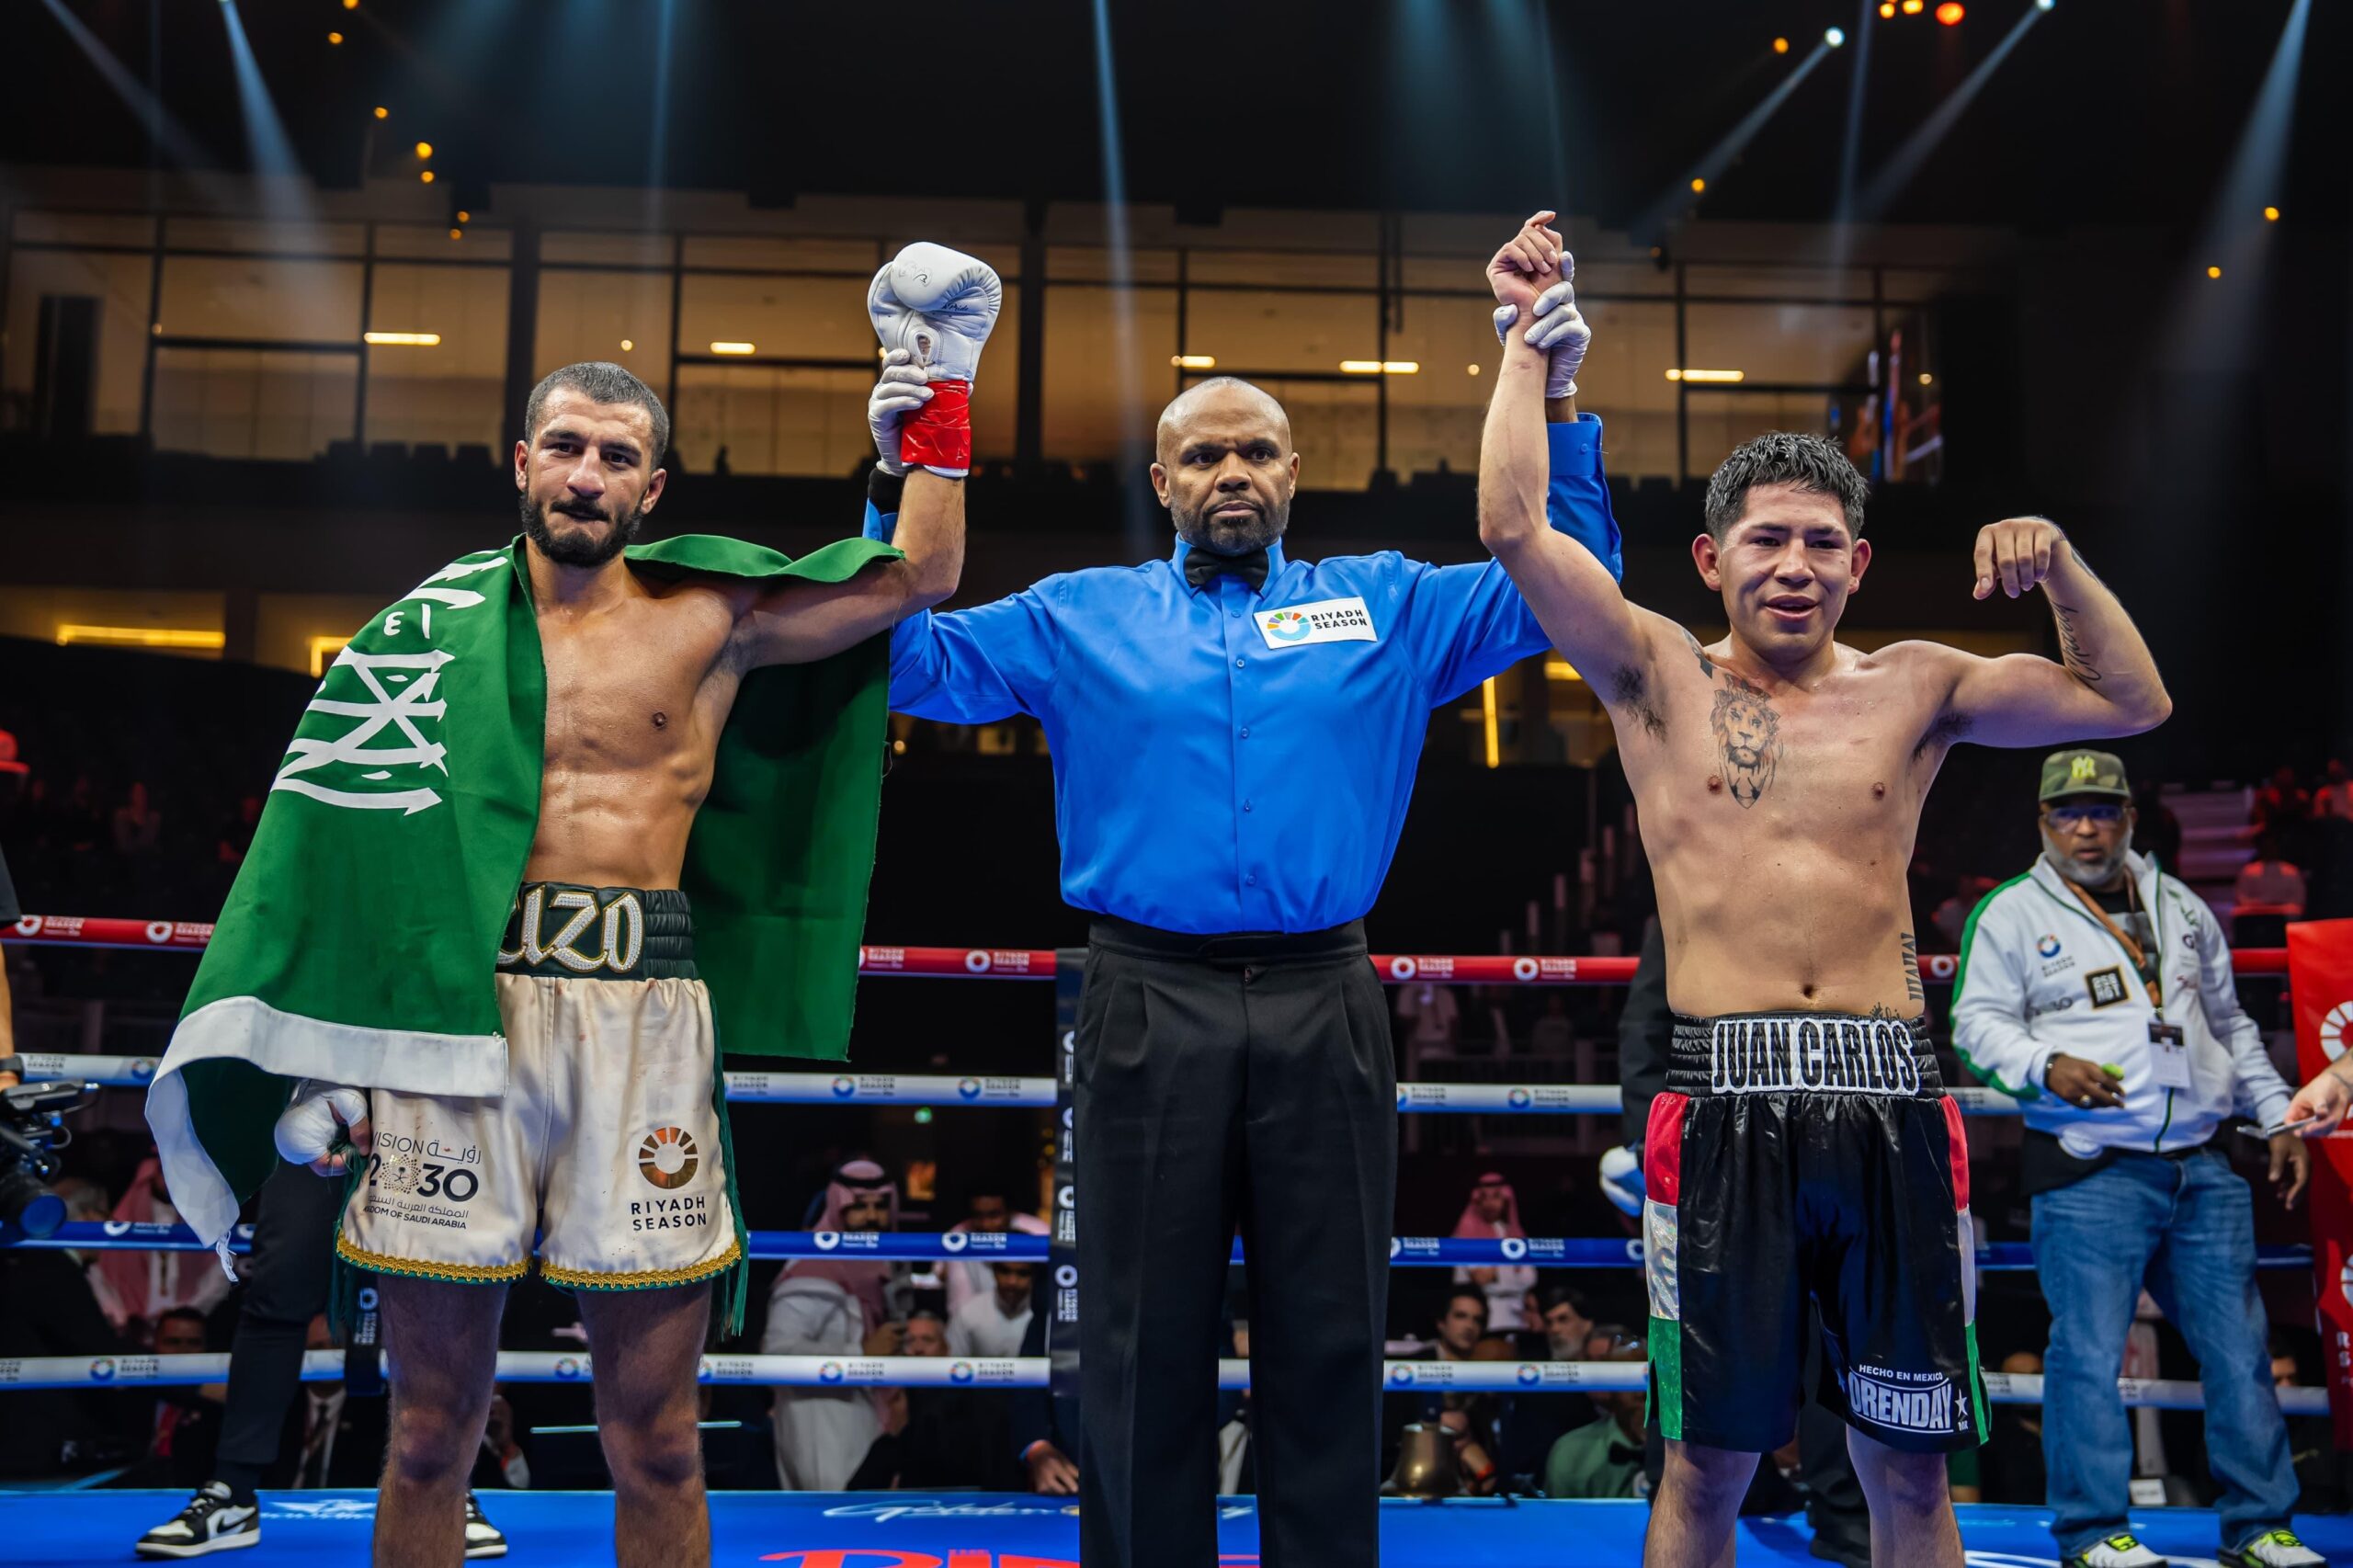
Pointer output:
x,y
425,148
426,176
1781,46
1698,186
383,113
457,233
2213,272
1950,13
464,216
1913,8
2271,214
334,37
1887,9
2044,5
628,344
1834,37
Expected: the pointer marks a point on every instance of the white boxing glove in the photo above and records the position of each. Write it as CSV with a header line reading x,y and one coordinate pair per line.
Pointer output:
x,y
1558,328
1621,1178
319,1118
938,306
899,392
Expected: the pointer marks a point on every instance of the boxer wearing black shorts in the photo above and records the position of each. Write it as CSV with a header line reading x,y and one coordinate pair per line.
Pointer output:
x,y
1805,1149
1819,1155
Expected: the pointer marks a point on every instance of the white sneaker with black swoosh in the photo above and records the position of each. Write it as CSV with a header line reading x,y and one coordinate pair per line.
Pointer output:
x,y
482,1537
210,1523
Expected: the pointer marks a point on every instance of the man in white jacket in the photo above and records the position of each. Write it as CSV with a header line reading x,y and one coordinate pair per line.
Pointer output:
x,y
2098,990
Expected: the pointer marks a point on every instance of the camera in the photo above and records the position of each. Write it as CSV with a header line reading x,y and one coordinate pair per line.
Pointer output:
x,y
33,1130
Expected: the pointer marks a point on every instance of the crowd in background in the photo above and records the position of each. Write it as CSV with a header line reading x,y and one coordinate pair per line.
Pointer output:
x,y
118,842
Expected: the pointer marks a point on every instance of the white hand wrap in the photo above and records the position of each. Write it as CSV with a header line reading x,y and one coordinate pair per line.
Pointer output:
x,y
899,393
313,1122
1559,329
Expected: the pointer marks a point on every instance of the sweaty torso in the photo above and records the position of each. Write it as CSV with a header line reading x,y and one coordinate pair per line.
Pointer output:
x,y
1778,820
638,690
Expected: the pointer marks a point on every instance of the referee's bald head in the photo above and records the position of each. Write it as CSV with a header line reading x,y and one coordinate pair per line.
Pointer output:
x,y
1222,402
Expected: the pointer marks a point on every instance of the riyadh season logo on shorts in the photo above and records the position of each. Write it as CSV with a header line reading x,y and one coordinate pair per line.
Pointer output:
x,y
1287,626
668,1157
2047,946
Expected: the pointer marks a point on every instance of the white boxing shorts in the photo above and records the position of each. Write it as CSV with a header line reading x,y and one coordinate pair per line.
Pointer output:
x,y
607,1146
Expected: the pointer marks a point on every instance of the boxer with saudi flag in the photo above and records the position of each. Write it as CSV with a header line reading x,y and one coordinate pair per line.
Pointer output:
x,y
559,824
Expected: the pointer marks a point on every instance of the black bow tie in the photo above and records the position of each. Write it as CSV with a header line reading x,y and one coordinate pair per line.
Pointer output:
x,y
1205,566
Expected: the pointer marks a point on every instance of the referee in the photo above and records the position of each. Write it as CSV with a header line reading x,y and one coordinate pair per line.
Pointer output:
x,y
1235,734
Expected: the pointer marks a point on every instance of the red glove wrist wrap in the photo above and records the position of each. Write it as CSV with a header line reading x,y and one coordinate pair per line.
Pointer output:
x,y
939,433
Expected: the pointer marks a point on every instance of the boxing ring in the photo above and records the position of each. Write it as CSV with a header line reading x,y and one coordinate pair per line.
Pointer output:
x,y
54,1525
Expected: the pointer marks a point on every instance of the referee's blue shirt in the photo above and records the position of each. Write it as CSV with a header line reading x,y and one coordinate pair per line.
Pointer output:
x,y
1227,760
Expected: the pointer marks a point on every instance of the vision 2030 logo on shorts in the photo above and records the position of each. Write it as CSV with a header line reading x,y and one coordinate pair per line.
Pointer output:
x,y
668,1157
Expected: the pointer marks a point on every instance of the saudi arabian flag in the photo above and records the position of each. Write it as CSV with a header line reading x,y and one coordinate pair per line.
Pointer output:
x,y
358,944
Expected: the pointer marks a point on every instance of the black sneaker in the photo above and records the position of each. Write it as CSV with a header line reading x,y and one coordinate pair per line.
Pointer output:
x,y
483,1539
210,1523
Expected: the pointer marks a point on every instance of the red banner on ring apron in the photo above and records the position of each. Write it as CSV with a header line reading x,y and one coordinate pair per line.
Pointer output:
x,y
2320,977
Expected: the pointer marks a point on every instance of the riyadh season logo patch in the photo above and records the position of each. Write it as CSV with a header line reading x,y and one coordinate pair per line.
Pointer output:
x,y
2047,946
1287,626
2332,1027
668,1157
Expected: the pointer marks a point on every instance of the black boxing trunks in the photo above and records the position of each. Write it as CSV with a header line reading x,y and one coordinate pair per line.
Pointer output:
x,y
1797,1155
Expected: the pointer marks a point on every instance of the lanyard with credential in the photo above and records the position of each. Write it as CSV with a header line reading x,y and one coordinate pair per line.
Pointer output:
x,y
2149,975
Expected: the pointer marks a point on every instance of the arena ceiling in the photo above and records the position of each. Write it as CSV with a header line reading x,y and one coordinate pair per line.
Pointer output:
x,y
2105,111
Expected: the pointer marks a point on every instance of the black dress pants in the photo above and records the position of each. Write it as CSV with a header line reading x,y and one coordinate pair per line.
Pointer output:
x,y
286,1287
1231,1080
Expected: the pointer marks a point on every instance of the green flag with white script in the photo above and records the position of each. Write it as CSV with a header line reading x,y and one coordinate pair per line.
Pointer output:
x,y
358,944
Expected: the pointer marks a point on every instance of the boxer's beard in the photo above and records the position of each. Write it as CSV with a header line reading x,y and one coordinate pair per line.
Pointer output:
x,y
1230,536
576,550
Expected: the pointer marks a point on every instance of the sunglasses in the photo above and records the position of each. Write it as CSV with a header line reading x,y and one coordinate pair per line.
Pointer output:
x,y
2071,816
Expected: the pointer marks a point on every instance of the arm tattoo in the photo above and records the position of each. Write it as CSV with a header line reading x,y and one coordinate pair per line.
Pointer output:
x,y
2071,650
1626,688
1909,947
1706,665
1748,733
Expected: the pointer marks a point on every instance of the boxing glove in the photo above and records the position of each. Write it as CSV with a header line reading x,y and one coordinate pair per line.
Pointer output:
x,y
317,1121
899,392
939,305
1621,1178
1558,328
